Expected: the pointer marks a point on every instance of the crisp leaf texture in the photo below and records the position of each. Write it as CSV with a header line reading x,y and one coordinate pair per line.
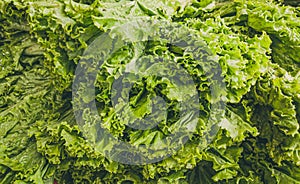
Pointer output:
x,y
241,65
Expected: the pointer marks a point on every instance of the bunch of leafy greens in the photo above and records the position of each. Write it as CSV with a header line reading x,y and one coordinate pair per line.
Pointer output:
x,y
256,43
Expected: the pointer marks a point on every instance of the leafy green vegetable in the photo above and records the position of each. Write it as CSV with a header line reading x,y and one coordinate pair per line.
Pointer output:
x,y
222,77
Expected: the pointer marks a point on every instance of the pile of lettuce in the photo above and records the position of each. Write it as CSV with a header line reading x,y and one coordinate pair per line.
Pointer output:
x,y
255,44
